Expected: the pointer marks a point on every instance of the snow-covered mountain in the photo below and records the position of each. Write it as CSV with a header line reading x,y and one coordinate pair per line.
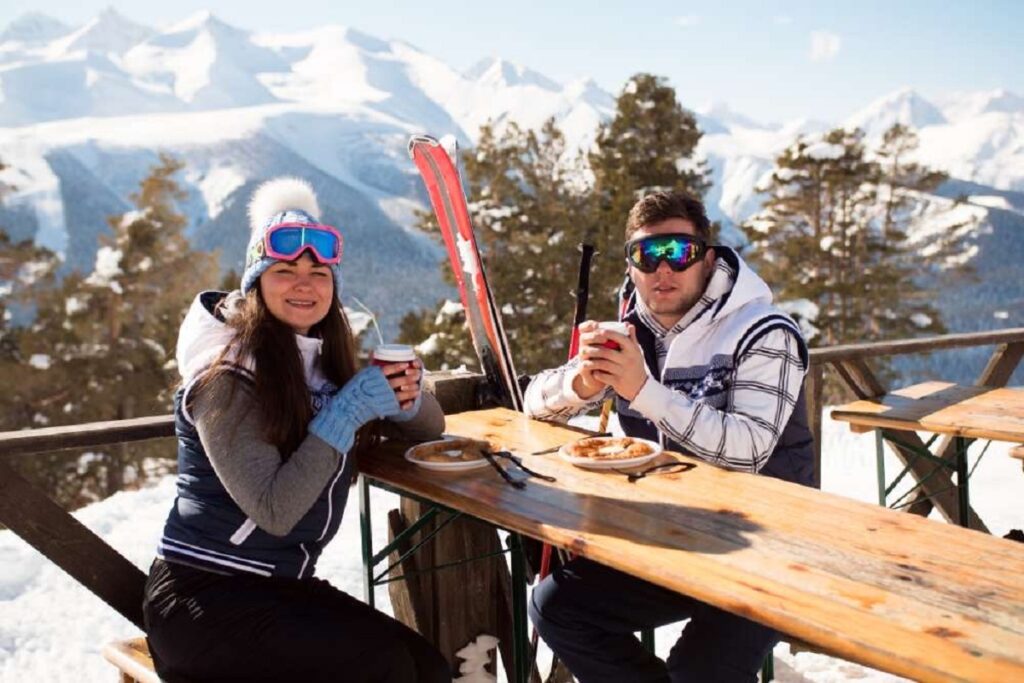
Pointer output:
x,y
84,112
903,106
33,27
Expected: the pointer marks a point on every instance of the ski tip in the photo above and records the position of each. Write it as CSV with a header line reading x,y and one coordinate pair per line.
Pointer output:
x,y
450,144
421,140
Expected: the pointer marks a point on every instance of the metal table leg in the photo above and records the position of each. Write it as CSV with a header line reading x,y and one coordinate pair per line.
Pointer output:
x,y
366,534
880,465
521,643
962,478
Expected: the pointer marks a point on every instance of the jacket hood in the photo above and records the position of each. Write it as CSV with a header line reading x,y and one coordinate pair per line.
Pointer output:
x,y
746,288
204,335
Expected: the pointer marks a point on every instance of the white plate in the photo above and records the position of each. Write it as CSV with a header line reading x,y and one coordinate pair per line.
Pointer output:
x,y
593,464
453,466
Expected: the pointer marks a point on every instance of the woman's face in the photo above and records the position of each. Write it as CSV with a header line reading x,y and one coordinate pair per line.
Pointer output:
x,y
298,293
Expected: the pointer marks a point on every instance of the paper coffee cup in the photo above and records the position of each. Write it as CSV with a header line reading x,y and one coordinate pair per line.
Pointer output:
x,y
389,354
619,327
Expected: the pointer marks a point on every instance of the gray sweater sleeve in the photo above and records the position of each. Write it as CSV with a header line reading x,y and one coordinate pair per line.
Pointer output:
x,y
427,425
273,493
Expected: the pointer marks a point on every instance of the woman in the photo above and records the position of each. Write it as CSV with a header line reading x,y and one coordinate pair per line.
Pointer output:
x,y
269,416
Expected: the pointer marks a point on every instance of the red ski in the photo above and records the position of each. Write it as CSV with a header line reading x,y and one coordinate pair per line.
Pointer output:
x,y
448,199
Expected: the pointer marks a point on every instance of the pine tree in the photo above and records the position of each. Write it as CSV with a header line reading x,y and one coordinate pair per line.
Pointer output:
x,y
111,336
648,145
833,231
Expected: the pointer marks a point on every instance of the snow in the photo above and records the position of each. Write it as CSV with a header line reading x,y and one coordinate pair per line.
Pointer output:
x,y
53,628
40,361
108,263
74,304
449,309
217,184
960,106
476,655
943,218
430,345
921,320
991,201
108,32
805,312
903,106
824,150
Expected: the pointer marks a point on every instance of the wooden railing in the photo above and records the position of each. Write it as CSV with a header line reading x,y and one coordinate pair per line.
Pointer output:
x,y
70,545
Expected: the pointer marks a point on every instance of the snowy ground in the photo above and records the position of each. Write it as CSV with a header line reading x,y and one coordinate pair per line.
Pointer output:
x,y
52,629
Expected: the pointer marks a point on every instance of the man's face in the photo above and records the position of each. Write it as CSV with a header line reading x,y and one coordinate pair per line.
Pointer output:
x,y
668,294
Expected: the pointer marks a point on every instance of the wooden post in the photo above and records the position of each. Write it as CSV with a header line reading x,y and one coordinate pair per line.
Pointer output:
x,y
813,384
48,528
453,605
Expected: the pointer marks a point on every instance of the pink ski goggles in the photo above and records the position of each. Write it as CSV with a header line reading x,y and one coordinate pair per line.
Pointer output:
x,y
287,241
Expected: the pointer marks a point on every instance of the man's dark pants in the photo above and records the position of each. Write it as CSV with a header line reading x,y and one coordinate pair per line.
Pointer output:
x,y
588,613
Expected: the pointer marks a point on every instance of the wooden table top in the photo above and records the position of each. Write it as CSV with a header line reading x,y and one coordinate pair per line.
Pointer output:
x,y
943,408
912,596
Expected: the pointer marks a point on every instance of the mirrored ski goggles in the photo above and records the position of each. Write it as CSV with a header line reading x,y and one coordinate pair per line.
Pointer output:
x,y
287,241
678,250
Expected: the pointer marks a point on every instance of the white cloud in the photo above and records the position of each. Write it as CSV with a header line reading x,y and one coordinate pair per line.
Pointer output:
x,y
782,20
687,20
824,45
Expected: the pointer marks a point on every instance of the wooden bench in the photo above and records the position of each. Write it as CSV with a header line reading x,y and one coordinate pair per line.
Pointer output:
x,y
132,659
1018,452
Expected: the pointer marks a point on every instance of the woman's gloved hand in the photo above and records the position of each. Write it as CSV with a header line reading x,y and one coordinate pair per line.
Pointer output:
x,y
367,396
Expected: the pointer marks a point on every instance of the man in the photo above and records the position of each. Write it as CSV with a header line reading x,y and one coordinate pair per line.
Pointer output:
x,y
709,368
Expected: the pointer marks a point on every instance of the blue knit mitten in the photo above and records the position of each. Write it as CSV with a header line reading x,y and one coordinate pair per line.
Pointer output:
x,y
365,397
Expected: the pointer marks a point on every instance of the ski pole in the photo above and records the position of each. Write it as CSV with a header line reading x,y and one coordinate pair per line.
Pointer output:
x,y
587,252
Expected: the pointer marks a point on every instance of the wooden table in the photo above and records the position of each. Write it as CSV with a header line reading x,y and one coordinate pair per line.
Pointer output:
x,y
962,412
918,598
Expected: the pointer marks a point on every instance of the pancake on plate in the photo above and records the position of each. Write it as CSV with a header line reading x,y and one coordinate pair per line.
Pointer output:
x,y
450,450
608,448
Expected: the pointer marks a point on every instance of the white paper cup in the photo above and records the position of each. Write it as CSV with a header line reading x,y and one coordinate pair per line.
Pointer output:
x,y
389,354
616,326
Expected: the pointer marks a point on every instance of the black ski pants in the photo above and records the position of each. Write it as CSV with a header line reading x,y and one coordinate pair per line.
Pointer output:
x,y
208,627
588,613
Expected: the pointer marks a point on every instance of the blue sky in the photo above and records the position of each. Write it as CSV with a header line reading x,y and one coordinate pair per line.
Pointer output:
x,y
771,61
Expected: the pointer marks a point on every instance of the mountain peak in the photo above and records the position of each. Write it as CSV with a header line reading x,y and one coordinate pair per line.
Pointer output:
x,y
198,21
109,31
500,72
960,106
724,114
34,27
903,106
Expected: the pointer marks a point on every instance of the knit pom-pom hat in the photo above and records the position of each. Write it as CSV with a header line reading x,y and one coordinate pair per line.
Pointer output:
x,y
277,201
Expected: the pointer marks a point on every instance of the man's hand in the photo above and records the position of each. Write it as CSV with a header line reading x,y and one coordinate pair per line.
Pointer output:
x,y
623,369
585,384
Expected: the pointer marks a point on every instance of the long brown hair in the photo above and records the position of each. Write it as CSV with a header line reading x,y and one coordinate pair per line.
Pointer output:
x,y
282,393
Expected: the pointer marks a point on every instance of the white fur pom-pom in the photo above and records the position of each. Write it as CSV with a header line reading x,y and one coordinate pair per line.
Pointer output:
x,y
281,194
